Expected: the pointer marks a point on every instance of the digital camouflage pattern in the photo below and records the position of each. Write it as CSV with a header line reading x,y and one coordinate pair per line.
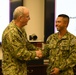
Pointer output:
x,y
61,52
16,51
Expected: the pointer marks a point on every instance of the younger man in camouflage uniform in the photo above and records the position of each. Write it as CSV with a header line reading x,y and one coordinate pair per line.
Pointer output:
x,y
61,49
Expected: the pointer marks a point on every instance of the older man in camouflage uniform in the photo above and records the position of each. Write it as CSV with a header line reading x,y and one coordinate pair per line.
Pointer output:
x,y
61,49
15,46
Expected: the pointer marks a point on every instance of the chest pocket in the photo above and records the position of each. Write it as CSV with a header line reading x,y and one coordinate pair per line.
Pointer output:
x,y
65,49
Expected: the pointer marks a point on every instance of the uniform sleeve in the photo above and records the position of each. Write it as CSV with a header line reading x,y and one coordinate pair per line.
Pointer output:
x,y
46,49
31,47
17,47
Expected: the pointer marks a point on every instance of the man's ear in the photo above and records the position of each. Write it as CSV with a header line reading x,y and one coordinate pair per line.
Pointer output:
x,y
20,18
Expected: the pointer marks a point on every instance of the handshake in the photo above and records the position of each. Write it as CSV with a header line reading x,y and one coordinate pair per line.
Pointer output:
x,y
39,53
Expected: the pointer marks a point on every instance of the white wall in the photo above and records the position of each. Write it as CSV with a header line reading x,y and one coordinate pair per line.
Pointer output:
x,y
36,23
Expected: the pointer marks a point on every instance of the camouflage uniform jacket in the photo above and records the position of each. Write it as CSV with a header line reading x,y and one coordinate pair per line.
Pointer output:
x,y
16,51
61,52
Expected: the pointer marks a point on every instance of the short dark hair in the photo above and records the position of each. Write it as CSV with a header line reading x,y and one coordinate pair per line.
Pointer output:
x,y
64,16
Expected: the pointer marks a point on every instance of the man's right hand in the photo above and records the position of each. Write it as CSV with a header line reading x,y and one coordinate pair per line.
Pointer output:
x,y
39,53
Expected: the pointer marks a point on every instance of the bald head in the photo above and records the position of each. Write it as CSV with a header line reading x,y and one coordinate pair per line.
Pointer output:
x,y
19,11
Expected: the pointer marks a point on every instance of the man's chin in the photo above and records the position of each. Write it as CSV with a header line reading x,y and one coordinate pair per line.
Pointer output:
x,y
57,29
25,24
